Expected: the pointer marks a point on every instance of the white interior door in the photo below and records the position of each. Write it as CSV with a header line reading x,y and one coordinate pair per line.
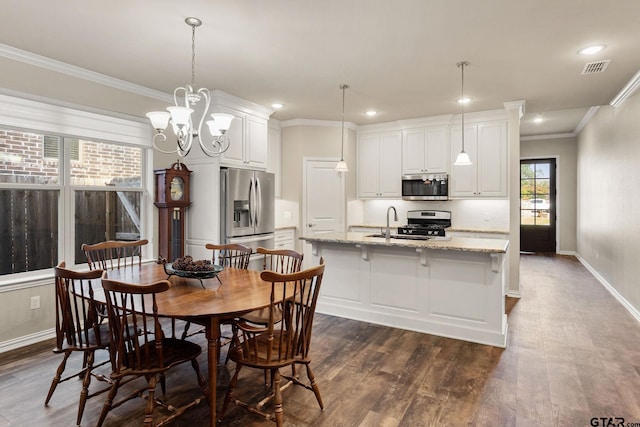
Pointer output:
x,y
323,200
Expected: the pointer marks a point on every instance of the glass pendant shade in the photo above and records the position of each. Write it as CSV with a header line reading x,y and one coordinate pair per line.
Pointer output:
x,y
222,121
462,159
159,119
342,166
213,130
180,116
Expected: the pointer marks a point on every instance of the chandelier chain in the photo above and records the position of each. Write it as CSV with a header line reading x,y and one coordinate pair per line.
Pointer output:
x,y
193,56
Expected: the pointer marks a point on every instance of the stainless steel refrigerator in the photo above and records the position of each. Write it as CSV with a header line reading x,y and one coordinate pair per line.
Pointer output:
x,y
247,209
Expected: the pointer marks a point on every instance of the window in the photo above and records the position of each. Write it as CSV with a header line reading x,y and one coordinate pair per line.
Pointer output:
x,y
95,196
535,193
51,144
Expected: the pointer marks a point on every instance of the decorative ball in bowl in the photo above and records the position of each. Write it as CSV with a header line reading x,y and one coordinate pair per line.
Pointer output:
x,y
187,263
188,267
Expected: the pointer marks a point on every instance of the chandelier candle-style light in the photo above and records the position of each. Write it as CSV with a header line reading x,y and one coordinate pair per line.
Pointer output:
x,y
181,118
463,158
342,165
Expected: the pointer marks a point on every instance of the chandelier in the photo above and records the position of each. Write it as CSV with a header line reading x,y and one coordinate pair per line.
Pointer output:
x,y
342,165
180,116
463,158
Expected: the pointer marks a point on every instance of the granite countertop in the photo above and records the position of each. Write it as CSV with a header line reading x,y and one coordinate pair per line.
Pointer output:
x,y
461,229
469,244
285,227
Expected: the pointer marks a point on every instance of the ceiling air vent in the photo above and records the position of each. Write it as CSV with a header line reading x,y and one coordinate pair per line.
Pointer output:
x,y
595,67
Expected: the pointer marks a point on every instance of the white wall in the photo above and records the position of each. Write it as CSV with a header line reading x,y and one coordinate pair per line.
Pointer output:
x,y
471,214
608,207
565,150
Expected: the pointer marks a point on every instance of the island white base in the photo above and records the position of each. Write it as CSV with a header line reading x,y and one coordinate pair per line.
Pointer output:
x,y
454,294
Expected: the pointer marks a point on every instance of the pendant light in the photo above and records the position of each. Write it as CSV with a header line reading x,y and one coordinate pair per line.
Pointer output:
x,y
463,158
342,165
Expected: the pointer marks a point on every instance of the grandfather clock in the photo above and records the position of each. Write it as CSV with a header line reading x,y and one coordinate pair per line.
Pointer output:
x,y
172,200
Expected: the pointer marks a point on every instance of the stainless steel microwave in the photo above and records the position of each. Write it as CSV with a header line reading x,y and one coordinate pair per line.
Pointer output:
x,y
425,187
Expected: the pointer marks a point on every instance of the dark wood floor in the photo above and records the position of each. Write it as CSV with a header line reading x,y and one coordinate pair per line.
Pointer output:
x,y
572,356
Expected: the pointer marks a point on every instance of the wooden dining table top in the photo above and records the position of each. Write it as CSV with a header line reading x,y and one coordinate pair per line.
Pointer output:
x,y
237,291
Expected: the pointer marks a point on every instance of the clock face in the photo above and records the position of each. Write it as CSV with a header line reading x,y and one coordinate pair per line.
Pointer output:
x,y
177,188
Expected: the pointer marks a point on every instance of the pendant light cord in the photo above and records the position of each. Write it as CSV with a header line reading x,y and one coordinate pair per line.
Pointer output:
x,y
461,65
343,87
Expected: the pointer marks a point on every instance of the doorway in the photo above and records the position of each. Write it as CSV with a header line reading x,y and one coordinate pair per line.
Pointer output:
x,y
538,205
323,200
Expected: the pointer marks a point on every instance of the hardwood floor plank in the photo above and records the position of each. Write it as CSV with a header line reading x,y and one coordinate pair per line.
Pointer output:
x,y
571,356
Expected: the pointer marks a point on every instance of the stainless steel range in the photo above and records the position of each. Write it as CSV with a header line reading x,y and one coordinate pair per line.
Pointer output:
x,y
426,223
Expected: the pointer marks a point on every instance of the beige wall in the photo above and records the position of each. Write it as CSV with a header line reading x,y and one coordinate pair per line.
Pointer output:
x,y
608,206
319,142
565,151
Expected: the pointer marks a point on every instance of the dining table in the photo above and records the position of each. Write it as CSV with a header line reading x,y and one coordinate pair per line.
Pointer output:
x,y
235,292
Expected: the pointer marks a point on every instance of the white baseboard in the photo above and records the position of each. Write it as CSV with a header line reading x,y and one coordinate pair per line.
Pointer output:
x,y
573,253
626,304
27,340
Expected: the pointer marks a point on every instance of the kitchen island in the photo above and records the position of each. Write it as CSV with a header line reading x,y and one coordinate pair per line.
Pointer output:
x,y
451,287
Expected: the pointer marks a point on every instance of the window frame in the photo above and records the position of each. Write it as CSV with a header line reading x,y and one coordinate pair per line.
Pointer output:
x,y
52,120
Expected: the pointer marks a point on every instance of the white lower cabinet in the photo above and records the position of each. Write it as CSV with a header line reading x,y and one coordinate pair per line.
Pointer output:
x,y
285,239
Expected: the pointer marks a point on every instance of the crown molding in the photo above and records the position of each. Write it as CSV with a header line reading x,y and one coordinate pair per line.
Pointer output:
x,y
516,105
219,97
548,136
590,113
314,122
81,73
626,91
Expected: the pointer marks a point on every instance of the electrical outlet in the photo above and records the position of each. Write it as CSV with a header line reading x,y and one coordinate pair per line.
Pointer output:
x,y
35,302
287,214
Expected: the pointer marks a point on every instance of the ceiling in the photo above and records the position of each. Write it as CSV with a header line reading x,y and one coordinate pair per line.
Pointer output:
x,y
399,57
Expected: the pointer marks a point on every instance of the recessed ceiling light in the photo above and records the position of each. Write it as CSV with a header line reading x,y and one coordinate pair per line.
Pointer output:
x,y
538,119
277,105
590,50
463,100
371,113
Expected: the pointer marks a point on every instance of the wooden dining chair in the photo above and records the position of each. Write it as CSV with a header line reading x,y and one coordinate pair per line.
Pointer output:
x,y
279,344
78,330
283,261
112,254
230,255
132,307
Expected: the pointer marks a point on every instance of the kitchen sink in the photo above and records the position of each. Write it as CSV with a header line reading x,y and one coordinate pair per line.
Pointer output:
x,y
401,236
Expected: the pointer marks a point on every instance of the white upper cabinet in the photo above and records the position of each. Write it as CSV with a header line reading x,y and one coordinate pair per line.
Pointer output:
x,y
486,144
248,147
379,165
425,150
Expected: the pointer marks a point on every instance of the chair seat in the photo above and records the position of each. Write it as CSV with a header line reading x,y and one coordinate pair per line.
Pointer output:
x,y
261,317
175,351
92,343
257,357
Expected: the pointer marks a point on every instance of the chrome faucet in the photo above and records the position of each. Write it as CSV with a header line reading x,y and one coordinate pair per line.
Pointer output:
x,y
387,234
